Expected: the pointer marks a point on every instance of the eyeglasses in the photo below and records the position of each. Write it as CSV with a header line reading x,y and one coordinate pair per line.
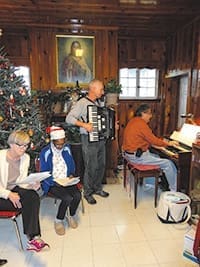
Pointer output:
x,y
22,145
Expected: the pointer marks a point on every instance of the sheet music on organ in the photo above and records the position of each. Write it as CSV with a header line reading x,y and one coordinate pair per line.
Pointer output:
x,y
186,135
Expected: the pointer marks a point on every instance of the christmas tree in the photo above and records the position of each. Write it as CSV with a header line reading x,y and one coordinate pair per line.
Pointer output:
x,y
18,108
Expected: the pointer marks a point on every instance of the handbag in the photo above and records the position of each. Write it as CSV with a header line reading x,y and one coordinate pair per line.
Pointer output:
x,y
174,207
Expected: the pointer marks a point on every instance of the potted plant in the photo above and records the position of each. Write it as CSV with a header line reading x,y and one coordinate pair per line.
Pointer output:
x,y
112,91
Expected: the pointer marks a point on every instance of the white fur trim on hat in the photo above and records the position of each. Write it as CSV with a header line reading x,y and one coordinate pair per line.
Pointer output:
x,y
56,133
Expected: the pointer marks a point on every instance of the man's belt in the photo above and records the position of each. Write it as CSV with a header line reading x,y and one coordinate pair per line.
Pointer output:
x,y
137,153
131,153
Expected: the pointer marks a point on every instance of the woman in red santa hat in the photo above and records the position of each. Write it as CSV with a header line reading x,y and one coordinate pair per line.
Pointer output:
x,y
56,158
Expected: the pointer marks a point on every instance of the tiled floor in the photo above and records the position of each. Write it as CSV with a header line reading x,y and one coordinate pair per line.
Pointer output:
x,y
110,234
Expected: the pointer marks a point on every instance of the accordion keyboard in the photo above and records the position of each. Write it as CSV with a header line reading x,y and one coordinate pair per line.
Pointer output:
x,y
103,121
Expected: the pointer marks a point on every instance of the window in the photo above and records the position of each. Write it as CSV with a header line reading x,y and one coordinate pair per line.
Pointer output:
x,y
138,83
25,72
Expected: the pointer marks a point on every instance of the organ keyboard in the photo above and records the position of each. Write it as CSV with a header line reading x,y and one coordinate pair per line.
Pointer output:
x,y
180,154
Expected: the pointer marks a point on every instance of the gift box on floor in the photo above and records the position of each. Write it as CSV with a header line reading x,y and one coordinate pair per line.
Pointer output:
x,y
188,251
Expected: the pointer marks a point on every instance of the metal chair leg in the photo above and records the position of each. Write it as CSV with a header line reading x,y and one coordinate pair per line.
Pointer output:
x,y
17,233
82,203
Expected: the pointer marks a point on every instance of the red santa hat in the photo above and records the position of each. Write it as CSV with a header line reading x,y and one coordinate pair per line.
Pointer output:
x,y
56,133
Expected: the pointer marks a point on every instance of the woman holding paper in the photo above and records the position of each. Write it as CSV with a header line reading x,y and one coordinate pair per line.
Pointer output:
x,y
14,194
56,158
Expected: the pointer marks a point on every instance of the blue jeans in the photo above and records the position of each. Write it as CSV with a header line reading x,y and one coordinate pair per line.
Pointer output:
x,y
166,165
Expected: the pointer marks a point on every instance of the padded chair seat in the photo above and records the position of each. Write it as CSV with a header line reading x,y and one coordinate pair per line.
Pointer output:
x,y
8,214
139,172
143,167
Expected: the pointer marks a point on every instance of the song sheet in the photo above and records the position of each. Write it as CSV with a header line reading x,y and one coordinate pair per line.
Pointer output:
x,y
67,181
35,177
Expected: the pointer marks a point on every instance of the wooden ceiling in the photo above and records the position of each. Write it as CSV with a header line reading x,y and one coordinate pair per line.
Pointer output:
x,y
131,17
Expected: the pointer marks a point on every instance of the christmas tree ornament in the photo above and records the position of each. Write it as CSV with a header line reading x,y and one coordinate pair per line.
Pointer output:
x,y
12,100
1,118
30,132
32,146
47,140
22,91
21,113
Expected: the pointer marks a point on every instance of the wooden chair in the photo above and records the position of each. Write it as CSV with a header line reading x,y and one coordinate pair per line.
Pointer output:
x,y
12,215
139,172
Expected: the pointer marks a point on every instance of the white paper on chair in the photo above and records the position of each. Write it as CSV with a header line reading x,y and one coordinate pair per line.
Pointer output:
x,y
67,181
35,177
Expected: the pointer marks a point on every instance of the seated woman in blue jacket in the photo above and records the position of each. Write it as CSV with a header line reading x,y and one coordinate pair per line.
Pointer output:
x,y
56,158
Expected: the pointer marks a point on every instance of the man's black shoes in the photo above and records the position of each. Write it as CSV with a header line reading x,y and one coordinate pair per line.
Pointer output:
x,y
102,193
2,262
90,199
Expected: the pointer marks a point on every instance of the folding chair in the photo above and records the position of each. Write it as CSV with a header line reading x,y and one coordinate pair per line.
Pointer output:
x,y
12,215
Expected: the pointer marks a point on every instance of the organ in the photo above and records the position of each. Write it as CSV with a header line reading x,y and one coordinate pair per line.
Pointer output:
x,y
180,154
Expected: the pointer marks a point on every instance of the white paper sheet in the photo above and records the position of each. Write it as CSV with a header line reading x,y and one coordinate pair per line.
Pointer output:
x,y
35,177
67,181
187,134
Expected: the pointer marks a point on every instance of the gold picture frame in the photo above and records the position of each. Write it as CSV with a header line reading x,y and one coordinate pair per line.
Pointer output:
x,y
75,60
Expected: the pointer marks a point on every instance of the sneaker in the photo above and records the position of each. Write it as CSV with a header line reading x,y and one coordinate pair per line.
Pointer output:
x,y
36,244
90,199
102,193
3,261
72,222
59,228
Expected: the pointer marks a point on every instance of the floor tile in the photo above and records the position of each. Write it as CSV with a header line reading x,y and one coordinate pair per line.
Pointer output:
x,y
110,233
138,253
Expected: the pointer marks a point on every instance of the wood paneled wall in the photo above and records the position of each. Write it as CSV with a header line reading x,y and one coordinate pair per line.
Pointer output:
x,y
183,48
43,59
183,54
141,52
17,47
37,49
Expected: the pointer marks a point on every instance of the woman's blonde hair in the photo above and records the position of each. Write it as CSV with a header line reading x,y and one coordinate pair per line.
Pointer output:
x,y
18,137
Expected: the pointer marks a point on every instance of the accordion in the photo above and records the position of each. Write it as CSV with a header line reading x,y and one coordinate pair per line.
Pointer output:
x,y
103,120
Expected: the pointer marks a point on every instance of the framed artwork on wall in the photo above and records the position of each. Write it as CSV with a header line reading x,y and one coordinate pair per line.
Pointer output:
x,y
75,59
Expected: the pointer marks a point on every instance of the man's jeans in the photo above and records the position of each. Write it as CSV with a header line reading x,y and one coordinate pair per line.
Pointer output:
x,y
166,165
